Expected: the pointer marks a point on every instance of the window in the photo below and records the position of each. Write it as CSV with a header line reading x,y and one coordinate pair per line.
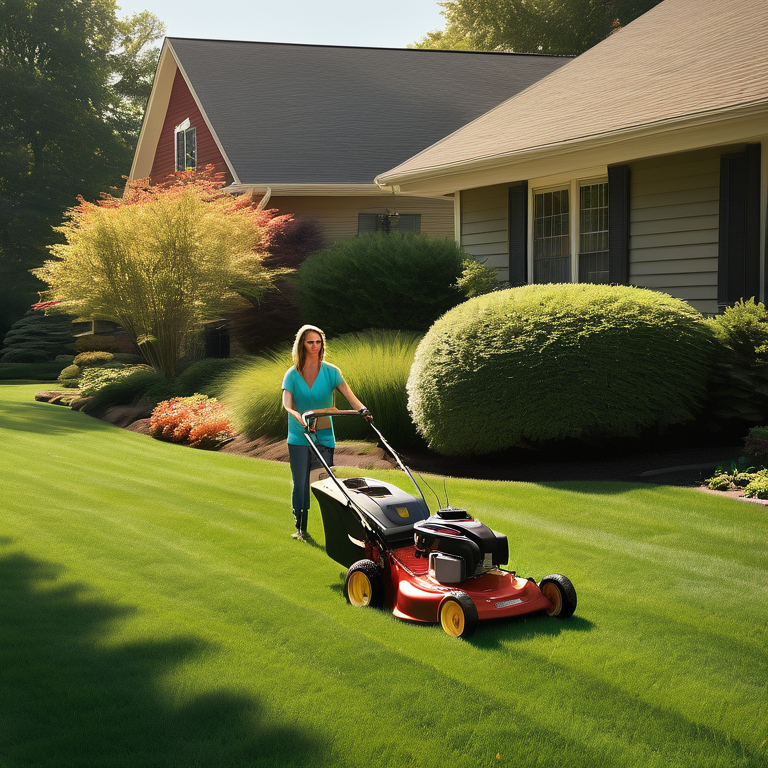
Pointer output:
x,y
551,237
186,146
593,233
388,222
575,213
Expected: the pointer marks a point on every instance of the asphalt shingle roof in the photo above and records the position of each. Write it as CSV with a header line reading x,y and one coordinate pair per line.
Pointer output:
x,y
326,114
682,58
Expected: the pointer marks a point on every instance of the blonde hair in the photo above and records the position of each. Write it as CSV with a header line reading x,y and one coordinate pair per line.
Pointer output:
x,y
299,352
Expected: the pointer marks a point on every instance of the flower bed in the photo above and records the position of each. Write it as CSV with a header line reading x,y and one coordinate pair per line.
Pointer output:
x,y
198,421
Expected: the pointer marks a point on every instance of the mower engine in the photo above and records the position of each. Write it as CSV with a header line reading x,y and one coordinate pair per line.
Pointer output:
x,y
458,546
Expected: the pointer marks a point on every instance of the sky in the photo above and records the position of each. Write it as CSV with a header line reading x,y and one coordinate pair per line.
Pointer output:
x,y
391,24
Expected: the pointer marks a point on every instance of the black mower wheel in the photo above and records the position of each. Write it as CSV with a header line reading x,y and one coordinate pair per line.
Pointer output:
x,y
364,585
560,592
458,614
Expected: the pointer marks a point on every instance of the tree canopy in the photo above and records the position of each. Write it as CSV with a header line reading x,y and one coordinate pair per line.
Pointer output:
x,y
160,261
554,27
73,83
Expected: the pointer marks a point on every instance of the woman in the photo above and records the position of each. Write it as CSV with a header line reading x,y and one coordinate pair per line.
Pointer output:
x,y
310,384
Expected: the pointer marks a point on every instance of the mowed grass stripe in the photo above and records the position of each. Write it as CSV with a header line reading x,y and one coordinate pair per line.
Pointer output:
x,y
193,621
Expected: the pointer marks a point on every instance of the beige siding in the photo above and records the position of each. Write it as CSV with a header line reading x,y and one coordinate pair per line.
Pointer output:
x,y
484,223
337,216
674,226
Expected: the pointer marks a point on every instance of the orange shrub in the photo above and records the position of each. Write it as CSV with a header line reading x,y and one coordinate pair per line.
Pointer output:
x,y
199,421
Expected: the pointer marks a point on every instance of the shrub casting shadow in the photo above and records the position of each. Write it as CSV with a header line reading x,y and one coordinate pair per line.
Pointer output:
x,y
66,699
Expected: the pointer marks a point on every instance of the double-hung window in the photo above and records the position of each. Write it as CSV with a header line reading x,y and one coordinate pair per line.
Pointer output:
x,y
185,137
570,232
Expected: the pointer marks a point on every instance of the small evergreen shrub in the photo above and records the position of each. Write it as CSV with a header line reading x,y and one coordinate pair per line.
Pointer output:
x,y
547,362
757,488
198,421
756,446
376,366
37,338
89,359
476,278
94,343
71,372
739,389
380,281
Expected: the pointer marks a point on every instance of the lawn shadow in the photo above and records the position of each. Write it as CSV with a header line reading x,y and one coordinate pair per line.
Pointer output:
x,y
67,697
491,634
56,419
597,487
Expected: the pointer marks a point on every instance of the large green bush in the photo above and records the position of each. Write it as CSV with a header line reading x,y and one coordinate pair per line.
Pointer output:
x,y
547,362
380,281
37,338
739,390
376,366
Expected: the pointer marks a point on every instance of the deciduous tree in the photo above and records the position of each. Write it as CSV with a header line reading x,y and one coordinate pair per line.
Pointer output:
x,y
555,27
73,83
160,261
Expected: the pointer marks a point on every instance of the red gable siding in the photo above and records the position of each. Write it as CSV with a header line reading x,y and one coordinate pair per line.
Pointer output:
x,y
180,107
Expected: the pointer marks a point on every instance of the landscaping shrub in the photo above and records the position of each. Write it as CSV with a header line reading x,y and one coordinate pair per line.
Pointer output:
x,y
93,343
477,278
37,338
376,365
756,446
739,389
88,359
380,281
198,421
144,385
547,362
70,372
93,379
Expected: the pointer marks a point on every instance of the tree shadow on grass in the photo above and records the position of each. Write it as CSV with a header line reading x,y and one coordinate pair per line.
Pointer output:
x,y
45,419
67,699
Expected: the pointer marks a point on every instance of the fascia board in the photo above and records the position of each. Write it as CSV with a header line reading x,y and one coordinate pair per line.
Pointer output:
x,y
235,177
154,115
316,190
722,127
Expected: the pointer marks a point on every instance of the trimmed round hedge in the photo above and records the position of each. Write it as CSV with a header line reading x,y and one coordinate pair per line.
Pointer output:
x,y
380,281
548,362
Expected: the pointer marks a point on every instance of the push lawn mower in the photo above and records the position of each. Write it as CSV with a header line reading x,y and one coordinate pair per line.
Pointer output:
x,y
442,568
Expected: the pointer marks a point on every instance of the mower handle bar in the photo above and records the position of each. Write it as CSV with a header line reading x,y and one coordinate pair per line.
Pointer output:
x,y
365,413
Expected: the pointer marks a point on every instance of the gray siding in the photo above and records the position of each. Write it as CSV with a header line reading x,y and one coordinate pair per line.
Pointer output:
x,y
674,226
484,225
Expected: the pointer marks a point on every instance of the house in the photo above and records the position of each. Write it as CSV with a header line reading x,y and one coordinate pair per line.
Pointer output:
x,y
306,128
644,161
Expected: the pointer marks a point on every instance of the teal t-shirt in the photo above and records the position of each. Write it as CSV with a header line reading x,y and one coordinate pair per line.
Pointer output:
x,y
320,395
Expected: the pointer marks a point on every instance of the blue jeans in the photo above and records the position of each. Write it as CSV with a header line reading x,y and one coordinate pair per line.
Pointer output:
x,y
303,461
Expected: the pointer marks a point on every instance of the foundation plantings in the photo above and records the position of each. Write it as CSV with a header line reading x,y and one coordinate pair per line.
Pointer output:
x,y
548,362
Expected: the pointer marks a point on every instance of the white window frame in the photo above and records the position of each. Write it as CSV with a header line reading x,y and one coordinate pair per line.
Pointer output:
x,y
573,182
183,128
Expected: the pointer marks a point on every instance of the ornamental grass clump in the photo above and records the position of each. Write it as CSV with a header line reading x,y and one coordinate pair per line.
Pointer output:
x,y
375,364
543,363
198,421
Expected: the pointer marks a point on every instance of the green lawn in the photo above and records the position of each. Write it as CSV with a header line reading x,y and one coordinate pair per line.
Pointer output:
x,y
155,612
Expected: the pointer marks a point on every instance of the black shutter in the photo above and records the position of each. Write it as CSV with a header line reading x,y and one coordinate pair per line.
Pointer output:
x,y
738,266
618,224
518,234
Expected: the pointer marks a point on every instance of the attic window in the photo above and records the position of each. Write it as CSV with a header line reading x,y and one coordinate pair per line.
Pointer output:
x,y
185,138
